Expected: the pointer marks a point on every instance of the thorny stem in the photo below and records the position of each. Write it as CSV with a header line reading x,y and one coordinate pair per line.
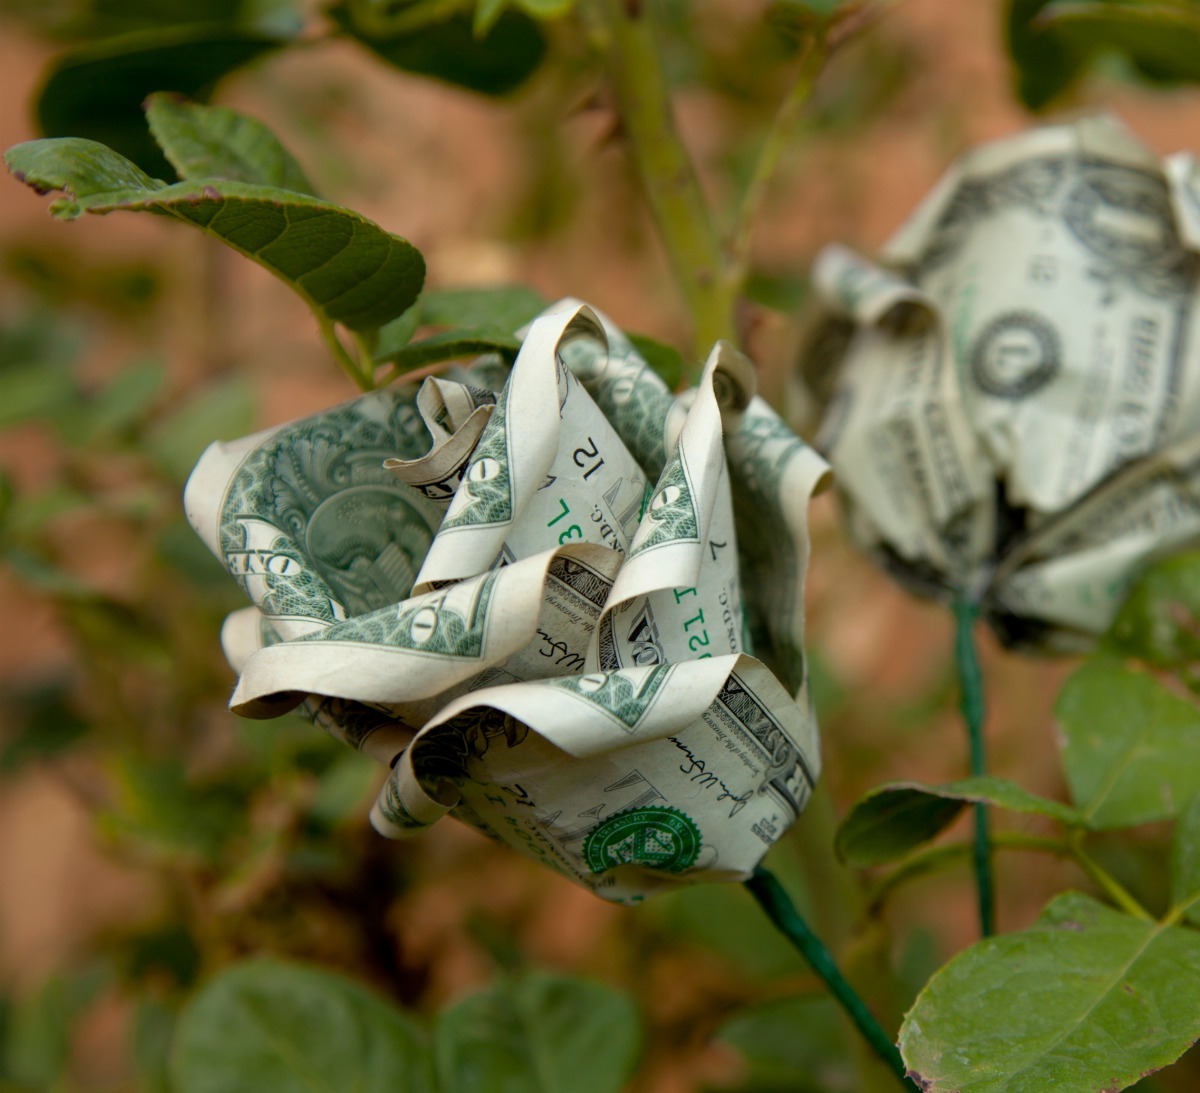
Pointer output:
x,y
779,908
783,126
970,677
623,33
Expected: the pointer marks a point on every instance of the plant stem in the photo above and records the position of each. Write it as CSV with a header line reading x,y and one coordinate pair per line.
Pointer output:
x,y
971,680
361,372
935,859
1112,887
624,35
782,126
782,912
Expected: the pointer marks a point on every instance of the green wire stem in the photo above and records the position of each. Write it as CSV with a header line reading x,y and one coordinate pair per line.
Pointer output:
x,y
970,679
779,908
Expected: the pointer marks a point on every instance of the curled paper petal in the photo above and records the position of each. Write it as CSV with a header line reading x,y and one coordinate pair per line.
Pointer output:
x,y
1026,353
530,603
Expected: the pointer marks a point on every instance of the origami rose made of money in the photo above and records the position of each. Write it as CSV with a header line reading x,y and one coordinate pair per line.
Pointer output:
x,y
1014,410
535,597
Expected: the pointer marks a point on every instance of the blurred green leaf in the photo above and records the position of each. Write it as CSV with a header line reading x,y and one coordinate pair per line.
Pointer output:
x,y
224,411
38,1045
1088,999
123,402
40,724
264,1025
346,268
1160,620
214,142
150,1043
157,802
30,392
1130,746
96,91
795,1044
1046,65
448,50
1162,37
503,307
342,788
665,359
452,345
539,1034
1185,862
892,820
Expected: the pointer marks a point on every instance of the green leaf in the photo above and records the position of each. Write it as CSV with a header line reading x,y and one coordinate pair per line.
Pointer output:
x,y
495,64
792,1043
451,345
1088,999
1162,38
539,1034
892,820
1160,620
42,724
504,307
346,268
1185,862
123,402
265,1025
38,1042
224,411
665,359
214,142
486,14
1046,64
97,90
1130,745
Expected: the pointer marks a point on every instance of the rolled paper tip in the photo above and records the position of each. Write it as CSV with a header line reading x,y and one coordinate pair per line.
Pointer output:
x,y
404,808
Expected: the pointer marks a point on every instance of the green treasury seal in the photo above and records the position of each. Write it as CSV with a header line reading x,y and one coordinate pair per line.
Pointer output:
x,y
658,837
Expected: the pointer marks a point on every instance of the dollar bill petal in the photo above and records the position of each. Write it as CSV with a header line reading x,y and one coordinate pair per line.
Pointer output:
x,y
547,470
307,520
628,782
524,621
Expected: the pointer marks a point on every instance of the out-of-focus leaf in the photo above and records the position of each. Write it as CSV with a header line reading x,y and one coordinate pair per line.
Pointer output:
x,y
892,820
504,307
41,724
150,1045
665,359
1046,64
38,1045
1131,748
539,1034
123,402
1185,862
96,91
215,142
342,788
1088,999
452,345
1160,620
495,64
31,391
1161,38
222,412
159,804
797,1044
347,269
264,1025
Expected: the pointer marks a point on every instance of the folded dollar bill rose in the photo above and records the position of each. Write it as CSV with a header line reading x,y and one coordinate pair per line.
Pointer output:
x,y
568,610
1014,389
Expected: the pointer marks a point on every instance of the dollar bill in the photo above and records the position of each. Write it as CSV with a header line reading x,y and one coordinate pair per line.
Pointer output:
x,y
1030,333
561,661
628,782
548,469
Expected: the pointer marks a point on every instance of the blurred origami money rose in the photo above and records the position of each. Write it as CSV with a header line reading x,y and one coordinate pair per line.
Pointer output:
x,y
1013,393
534,594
